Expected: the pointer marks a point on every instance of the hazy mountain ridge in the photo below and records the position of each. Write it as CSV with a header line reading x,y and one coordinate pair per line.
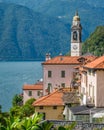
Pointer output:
x,y
43,26
26,35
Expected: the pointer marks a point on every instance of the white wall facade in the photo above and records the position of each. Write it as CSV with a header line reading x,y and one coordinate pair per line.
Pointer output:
x,y
91,86
94,87
83,83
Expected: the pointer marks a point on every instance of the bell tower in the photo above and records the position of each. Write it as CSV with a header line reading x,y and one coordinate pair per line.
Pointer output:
x,y
76,36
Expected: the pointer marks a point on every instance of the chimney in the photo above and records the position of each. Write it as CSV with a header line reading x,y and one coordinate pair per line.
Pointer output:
x,y
48,56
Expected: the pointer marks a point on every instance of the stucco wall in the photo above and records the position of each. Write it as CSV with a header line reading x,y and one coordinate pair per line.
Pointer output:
x,y
27,97
83,83
91,86
100,88
56,79
51,113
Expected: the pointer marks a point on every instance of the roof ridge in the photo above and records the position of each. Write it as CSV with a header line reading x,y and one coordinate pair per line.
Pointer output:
x,y
99,58
99,63
95,63
46,96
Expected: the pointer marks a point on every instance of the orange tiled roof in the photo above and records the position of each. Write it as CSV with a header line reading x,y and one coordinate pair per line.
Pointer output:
x,y
52,99
63,60
96,64
37,86
67,60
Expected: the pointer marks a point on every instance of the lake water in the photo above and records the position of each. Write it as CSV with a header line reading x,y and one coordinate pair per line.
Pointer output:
x,y
13,75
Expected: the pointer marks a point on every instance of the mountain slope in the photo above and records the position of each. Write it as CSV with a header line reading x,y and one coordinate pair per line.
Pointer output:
x,y
95,43
90,11
29,33
26,35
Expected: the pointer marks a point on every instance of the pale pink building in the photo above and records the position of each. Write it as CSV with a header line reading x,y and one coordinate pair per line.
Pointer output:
x,y
92,83
32,91
58,72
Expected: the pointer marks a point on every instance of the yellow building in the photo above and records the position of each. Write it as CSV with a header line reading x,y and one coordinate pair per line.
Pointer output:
x,y
51,105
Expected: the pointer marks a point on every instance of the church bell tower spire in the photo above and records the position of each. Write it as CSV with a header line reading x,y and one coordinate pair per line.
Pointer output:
x,y
76,37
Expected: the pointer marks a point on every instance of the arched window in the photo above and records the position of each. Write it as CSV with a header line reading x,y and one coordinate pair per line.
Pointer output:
x,y
74,35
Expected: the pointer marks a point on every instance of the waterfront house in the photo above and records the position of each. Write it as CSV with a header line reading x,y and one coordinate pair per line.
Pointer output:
x,y
58,72
32,91
51,106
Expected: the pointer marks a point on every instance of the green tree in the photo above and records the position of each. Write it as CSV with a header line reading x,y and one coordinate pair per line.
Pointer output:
x,y
28,109
95,43
16,111
17,100
25,110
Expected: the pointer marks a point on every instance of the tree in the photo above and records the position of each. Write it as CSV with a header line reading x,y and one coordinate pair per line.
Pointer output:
x,y
25,110
17,100
28,109
95,43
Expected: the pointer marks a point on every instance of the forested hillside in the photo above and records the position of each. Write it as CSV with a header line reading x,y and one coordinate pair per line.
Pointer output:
x,y
90,11
95,43
26,35
31,28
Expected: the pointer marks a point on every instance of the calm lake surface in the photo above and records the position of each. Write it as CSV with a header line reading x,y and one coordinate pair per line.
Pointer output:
x,y
13,75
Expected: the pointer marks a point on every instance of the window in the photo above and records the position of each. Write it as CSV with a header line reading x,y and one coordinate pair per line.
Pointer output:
x,y
49,87
38,93
41,107
63,74
63,85
89,71
49,74
93,72
30,93
74,35
54,107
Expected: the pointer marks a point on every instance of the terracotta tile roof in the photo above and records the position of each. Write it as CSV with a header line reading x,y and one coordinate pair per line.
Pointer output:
x,y
60,60
55,98
87,58
68,60
96,64
37,86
